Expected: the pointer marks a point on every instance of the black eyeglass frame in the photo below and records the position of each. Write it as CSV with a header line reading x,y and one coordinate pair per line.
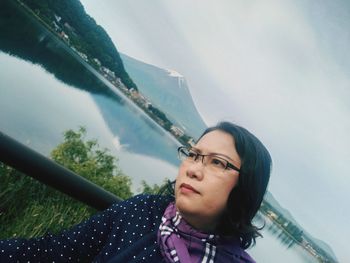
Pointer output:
x,y
228,165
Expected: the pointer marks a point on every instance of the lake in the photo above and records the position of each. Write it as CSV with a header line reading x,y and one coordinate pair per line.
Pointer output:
x,y
45,90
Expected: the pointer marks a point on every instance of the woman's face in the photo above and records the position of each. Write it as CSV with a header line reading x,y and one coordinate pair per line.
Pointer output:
x,y
201,195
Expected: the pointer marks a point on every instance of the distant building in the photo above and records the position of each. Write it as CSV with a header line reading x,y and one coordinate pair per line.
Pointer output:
x,y
69,27
64,36
58,18
108,72
304,242
132,90
56,27
111,74
142,100
191,142
148,104
177,131
97,62
83,56
120,84
272,215
134,94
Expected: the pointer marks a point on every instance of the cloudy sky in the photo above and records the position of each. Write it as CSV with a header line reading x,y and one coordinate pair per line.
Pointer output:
x,y
279,68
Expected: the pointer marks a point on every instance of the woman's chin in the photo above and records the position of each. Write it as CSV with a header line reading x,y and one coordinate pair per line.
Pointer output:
x,y
184,205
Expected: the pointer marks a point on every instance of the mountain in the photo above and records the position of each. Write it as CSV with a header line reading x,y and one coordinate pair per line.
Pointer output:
x,y
168,91
272,201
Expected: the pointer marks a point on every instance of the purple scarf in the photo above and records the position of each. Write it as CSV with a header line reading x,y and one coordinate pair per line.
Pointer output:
x,y
179,242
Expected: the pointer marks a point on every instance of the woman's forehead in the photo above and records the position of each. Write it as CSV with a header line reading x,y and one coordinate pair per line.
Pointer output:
x,y
218,142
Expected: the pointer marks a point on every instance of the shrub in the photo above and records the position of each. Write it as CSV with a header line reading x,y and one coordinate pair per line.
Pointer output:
x,y
29,208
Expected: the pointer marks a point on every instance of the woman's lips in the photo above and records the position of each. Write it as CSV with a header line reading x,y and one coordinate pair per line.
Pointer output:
x,y
186,188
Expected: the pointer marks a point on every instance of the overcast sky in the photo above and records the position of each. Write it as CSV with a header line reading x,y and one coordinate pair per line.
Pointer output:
x,y
279,68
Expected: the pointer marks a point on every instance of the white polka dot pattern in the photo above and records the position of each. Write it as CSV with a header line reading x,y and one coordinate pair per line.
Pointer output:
x,y
125,232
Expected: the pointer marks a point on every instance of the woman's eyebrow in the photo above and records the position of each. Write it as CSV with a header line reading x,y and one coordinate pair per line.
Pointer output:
x,y
223,155
213,153
196,149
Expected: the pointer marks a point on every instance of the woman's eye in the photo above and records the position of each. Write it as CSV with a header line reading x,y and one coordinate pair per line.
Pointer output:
x,y
192,155
218,163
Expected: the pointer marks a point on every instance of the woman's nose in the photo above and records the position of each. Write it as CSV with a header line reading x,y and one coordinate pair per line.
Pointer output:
x,y
195,170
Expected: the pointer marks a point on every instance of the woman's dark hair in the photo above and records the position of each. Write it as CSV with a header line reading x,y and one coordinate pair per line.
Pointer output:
x,y
245,198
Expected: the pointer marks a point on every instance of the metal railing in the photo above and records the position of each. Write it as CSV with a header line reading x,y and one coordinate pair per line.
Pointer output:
x,y
45,170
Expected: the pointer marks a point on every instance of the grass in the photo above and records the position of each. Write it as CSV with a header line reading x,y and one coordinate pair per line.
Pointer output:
x,y
31,209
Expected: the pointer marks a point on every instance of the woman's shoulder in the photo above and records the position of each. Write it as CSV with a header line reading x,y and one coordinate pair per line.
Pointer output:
x,y
143,201
245,257
140,210
231,246
241,255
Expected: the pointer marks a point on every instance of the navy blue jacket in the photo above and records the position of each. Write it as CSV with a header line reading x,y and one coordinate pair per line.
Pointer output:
x,y
125,232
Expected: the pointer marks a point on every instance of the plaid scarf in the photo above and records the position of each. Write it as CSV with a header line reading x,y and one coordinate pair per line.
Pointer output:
x,y
179,242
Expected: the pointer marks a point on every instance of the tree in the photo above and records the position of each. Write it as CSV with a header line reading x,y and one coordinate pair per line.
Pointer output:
x,y
88,36
155,188
29,208
86,159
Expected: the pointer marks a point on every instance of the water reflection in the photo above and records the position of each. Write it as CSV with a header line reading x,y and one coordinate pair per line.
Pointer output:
x,y
32,42
284,238
146,138
281,244
25,38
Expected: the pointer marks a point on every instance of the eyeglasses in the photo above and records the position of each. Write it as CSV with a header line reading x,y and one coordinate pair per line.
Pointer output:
x,y
211,161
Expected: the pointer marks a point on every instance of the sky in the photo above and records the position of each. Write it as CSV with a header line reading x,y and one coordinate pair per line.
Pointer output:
x,y
278,68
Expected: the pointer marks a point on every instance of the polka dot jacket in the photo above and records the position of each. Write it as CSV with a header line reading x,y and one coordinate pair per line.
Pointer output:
x,y
125,232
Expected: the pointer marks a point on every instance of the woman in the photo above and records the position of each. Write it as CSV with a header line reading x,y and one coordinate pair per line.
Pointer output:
x,y
219,188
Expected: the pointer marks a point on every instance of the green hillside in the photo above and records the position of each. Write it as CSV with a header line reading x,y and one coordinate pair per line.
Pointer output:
x,y
69,19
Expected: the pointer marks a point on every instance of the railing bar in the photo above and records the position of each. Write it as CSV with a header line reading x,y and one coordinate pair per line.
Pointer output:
x,y
45,170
